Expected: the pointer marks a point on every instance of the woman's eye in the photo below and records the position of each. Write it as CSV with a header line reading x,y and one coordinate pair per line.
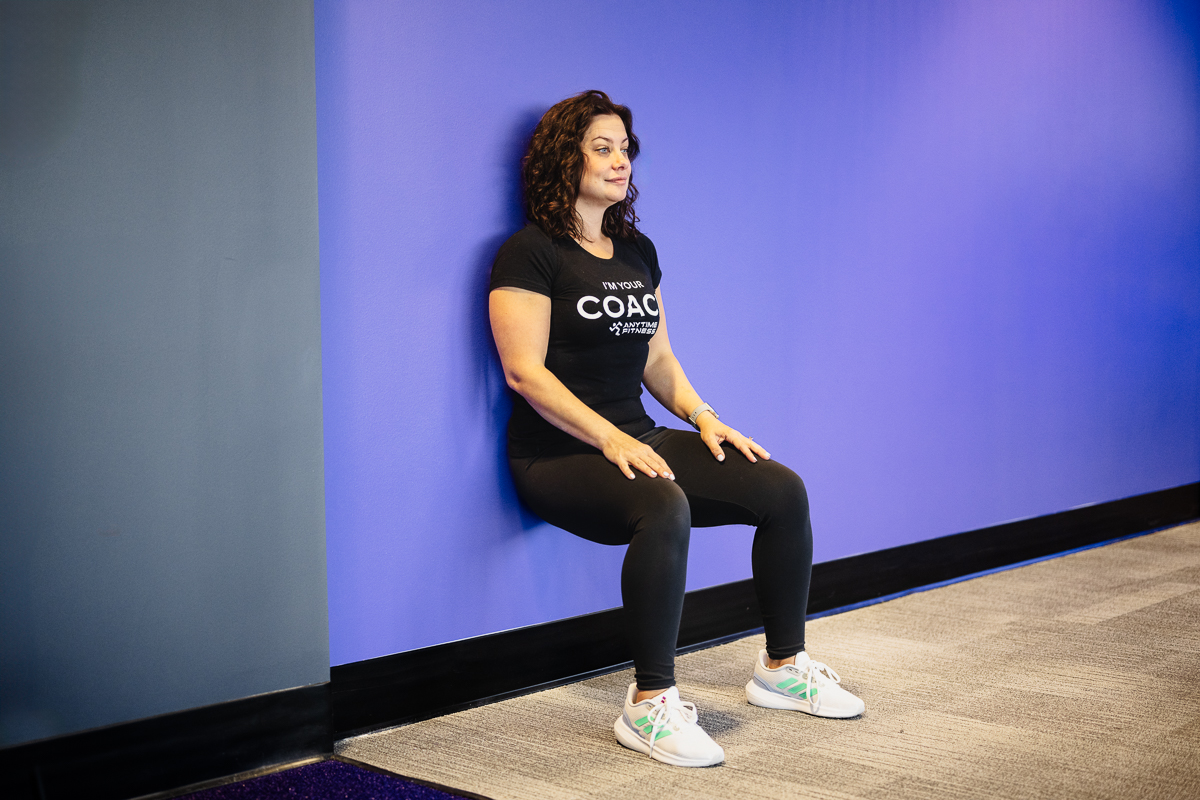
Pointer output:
x,y
602,150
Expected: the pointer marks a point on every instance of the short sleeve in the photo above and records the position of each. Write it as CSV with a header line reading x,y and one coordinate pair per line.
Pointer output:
x,y
650,256
526,261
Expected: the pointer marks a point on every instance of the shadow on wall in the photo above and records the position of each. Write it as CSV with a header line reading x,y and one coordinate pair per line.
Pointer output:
x,y
40,56
488,376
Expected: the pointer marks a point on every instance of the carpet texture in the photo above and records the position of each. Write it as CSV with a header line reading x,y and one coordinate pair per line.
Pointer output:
x,y
1077,677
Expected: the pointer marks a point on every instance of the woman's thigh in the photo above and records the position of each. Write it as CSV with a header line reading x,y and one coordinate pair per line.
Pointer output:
x,y
584,493
729,492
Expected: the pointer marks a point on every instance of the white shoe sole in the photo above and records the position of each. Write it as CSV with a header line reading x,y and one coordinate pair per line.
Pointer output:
x,y
758,696
634,742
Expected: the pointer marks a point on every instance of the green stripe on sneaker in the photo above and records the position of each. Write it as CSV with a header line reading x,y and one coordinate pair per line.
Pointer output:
x,y
646,730
785,684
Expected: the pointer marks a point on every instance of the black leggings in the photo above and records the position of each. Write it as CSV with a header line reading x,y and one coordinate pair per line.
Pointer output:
x,y
586,494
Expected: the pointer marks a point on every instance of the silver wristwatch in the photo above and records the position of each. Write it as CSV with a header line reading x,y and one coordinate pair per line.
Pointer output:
x,y
700,409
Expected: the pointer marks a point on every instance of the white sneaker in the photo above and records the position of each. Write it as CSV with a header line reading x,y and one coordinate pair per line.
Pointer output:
x,y
808,686
664,727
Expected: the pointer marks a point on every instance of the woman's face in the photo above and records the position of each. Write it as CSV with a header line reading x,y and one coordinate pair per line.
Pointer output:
x,y
606,163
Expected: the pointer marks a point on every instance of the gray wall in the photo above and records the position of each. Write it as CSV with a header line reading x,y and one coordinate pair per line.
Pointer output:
x,y
161,490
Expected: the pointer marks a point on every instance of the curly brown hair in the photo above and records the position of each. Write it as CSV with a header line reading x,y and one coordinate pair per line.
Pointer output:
x,y
553,166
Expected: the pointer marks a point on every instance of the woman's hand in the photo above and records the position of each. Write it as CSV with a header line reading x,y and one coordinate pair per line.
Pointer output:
x,y
713,432
629,454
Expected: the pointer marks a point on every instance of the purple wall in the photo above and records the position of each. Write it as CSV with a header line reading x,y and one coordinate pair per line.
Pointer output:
x,y
942,258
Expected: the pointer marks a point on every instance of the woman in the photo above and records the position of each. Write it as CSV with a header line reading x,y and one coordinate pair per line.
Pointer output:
x,y
577,314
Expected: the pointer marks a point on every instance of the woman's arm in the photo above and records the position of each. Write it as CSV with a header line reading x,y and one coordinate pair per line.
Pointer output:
x,y
521,326
665,379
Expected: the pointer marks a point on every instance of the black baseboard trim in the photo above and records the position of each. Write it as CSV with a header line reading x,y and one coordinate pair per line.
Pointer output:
x,y
418,684
856,579
162,753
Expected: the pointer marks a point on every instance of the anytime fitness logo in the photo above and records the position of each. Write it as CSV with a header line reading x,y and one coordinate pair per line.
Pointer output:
x,y
626,309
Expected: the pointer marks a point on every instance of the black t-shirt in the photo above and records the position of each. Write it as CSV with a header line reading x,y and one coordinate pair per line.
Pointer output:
x,y
602,315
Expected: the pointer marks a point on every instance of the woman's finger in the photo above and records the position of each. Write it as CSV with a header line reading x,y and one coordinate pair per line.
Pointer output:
x,y
644,465
663,468
656,463
744,445
758,448
648,456
623,465
714,445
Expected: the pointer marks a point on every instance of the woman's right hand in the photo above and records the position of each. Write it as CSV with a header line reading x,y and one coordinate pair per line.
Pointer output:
x,y
629,454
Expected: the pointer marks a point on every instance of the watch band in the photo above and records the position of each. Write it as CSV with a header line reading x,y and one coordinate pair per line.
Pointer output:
x,y
700,409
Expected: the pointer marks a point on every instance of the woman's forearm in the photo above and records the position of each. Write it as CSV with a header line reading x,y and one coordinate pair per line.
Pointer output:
x,y
666,381
664,376
559,406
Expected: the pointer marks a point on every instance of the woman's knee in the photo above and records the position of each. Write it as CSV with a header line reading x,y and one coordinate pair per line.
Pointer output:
x,y
787,492
664,514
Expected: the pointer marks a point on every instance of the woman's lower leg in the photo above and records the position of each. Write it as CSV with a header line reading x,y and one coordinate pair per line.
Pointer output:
x,y
653,579
782,561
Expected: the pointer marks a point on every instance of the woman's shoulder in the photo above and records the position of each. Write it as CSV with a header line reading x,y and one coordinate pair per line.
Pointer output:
x,y
526,260
531,237
528,244
641,237
645,248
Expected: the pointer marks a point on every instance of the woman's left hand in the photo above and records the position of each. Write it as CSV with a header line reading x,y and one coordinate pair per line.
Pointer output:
x,y
713,432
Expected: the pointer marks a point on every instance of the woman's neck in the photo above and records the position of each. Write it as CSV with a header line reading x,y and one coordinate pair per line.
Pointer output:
x,y
591,229
591,221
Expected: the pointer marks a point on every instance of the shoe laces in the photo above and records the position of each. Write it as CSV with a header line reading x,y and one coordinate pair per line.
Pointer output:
x,y
814,673
670,713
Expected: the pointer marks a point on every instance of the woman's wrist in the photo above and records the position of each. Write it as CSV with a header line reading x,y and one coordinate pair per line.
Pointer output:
x,y
609,437
701,410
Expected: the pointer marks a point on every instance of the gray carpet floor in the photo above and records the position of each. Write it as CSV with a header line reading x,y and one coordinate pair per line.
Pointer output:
x,y
1077,677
